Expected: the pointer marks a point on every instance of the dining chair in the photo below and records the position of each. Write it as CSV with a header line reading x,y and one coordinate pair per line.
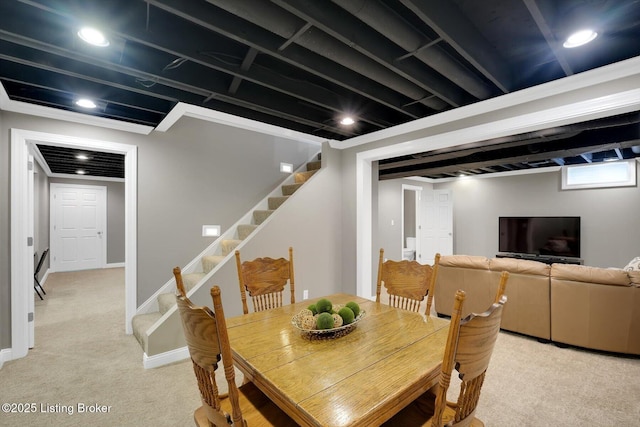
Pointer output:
x,y
264,279
177,273
37,271
406,282
432,283
208,342
469,348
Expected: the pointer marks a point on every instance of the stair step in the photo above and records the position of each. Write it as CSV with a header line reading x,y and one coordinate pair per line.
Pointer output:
x,y
245,229
166,301
315,165
259,216
301,177
210,261
229,245
141,323
191,279
275,202
289,189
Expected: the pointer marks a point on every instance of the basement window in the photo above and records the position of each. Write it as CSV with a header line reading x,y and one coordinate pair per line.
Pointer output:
x,y
599,175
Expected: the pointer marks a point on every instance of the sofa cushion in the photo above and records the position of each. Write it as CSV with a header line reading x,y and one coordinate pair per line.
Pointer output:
x,y
583,273
519,266
635,277
465,261
634,264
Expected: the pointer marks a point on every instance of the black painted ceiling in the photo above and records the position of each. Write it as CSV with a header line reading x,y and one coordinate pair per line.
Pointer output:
x,y
63,160
303,64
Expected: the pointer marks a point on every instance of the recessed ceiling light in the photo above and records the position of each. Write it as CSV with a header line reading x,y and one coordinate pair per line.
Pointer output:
x,y
347,121
85,103
580,38
81,172
93,37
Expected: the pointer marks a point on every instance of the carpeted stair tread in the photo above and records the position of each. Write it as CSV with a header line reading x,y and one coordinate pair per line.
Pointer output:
x,y
275,202
229,245
166,301
141,323
289,189
315,165
259,216
191,279
210,261
301,177
245,229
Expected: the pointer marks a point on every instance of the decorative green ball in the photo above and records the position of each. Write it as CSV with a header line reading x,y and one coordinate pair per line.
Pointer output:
x,y
347,315
323,306
313,309
354,307
325,321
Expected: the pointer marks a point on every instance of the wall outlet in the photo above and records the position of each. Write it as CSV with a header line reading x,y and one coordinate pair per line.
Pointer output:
x,y
305,294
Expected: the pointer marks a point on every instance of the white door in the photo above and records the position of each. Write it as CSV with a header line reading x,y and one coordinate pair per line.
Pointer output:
x,y
78,225
436,233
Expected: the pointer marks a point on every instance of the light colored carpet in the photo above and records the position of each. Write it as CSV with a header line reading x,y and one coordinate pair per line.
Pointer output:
x,y
82,356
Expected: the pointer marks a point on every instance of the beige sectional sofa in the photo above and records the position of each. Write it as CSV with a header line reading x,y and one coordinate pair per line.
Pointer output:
x,y
596,308
584,306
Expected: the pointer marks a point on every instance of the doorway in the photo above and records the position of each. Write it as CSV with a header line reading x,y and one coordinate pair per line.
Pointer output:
x,y
22,238
78,227
411,196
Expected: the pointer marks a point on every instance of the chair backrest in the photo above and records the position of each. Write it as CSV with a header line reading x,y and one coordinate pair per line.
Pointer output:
x,y
264,279
406,282
206,334
177,273
42,258
432,283
469,348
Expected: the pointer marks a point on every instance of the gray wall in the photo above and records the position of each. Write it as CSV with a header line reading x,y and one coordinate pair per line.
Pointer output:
x,y
610,232
196,173
609,220
115,214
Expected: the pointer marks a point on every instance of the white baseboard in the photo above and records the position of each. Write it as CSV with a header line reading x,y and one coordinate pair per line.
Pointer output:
x,y
45,276
5,355
150,362
115,265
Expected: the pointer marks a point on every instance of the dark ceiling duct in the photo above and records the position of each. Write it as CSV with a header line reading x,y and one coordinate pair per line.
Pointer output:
x,y
274,19
396,29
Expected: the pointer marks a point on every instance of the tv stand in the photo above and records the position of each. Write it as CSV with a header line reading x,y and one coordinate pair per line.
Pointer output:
x,y
547,259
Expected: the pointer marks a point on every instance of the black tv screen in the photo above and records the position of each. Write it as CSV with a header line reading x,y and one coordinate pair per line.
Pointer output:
x,y
540,235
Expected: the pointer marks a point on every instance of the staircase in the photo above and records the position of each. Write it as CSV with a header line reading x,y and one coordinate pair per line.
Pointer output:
x,y
152,311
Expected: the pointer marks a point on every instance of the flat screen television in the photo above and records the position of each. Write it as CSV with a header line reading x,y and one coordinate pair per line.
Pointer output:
x,y
540,235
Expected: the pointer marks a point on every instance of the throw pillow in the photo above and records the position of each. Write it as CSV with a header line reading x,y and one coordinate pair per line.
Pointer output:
x,y
634,264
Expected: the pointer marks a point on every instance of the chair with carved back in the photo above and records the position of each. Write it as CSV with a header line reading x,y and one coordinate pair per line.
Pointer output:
x,y
469,348
264,279
406,282
208,342
432,283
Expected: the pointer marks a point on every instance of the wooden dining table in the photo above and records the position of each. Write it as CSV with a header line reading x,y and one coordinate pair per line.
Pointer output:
x,y
361,379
